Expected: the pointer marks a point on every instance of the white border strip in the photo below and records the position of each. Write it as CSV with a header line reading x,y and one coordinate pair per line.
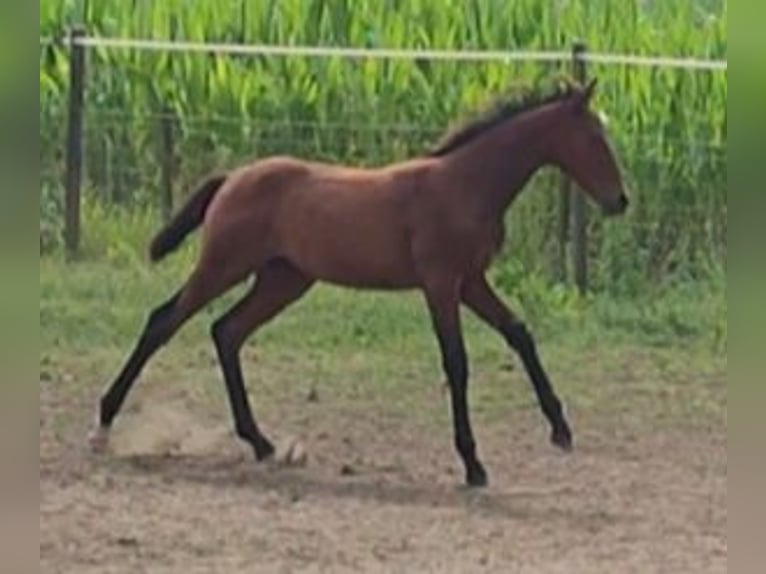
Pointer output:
x,y
397,54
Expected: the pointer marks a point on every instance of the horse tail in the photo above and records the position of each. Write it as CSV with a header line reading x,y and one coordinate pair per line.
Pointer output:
x,y
187,219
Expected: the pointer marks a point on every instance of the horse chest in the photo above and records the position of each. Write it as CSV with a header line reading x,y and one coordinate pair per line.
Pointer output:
x,y
466,249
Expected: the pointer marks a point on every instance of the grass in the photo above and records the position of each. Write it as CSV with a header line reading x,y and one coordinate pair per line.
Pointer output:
x,y
658,359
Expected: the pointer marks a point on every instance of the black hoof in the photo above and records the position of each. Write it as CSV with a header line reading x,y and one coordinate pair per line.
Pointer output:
x,y
263,449
476,476
562,438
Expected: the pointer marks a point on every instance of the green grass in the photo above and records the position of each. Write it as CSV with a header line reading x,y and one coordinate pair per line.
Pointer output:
x,y
661,359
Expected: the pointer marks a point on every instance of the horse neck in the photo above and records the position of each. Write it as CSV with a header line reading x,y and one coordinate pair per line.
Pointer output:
x,y
495,167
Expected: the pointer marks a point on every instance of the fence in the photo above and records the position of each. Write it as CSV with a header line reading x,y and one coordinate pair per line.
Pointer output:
x,y
572,221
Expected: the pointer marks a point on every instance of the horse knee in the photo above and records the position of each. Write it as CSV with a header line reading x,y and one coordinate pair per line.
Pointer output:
x,y
519,338
224,337
218,333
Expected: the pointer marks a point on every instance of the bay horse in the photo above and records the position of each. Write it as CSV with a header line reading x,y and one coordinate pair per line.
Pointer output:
x,y
431,223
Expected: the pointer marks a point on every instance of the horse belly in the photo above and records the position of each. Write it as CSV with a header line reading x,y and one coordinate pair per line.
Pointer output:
x,y
355,254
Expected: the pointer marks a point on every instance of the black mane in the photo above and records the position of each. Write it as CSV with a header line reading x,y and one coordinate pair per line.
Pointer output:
x,y
503,109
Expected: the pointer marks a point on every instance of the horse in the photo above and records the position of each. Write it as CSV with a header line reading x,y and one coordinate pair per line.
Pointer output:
x,y
432,223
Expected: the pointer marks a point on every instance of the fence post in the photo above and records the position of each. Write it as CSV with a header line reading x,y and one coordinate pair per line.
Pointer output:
x,y
74,145
168,161
579,206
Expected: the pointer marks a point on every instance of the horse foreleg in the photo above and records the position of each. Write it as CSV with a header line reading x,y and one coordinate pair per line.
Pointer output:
x,y
482,300
443,298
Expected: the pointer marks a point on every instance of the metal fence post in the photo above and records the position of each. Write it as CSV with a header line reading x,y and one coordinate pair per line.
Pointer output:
x,y
579,206
74,146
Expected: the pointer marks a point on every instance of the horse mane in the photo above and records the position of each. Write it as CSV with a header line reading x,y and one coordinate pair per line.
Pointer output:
x,y
500,110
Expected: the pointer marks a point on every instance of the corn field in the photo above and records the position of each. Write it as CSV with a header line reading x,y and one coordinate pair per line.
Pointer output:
x,y
669,126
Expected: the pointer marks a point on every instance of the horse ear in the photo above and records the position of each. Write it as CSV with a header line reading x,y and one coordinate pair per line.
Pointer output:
x,y
583,96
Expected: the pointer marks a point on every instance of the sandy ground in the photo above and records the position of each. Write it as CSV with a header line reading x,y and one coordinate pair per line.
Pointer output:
x,y
176,493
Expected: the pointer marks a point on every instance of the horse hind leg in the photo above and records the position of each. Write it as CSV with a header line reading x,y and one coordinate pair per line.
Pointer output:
x,y
163,322
277,285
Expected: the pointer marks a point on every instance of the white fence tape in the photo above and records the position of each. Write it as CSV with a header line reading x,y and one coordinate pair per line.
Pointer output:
x,y
322,51
397,54
655,61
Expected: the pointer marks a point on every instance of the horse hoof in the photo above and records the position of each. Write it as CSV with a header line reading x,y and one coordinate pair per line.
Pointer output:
x,y
476,477
562,438
264,450
98,440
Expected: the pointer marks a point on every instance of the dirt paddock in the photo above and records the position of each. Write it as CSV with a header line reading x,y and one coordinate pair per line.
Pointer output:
x,y
176,493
